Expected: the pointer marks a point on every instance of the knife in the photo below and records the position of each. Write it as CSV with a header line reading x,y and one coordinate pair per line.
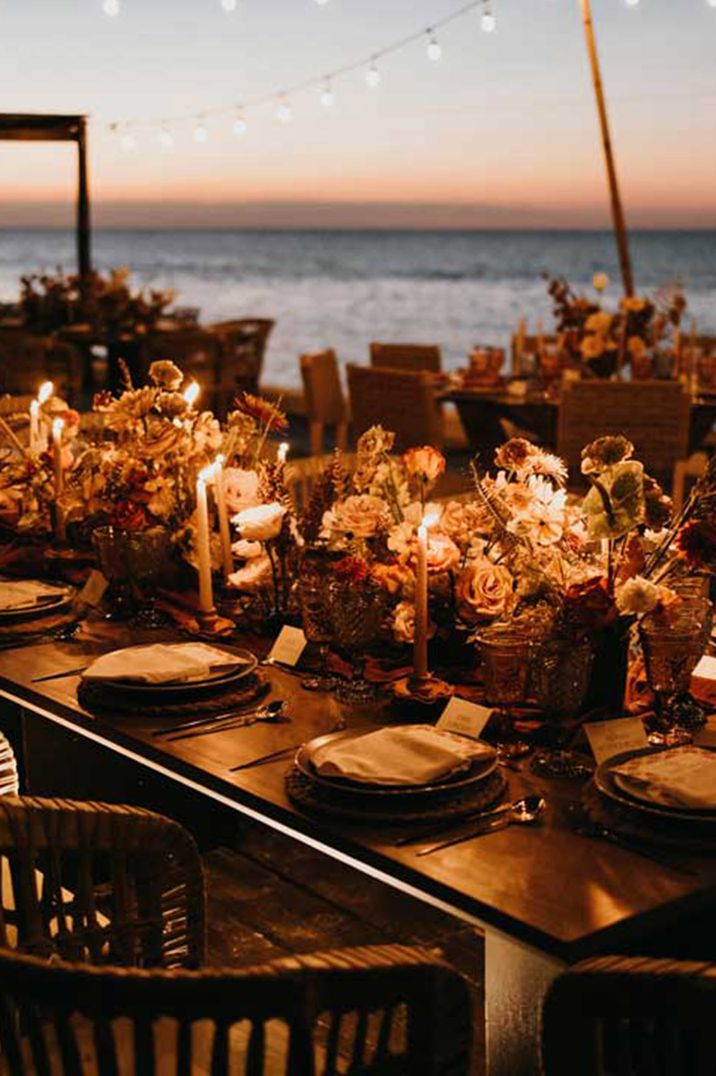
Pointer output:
x,y
493,825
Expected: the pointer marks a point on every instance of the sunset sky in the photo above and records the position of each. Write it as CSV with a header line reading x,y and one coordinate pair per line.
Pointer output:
x,y
502,131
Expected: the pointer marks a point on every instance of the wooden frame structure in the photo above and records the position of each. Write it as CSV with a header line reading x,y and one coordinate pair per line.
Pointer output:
x,y
20,127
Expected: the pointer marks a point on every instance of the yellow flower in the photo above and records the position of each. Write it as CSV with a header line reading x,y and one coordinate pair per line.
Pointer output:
x,y
636,347
592,346
599,323
600,281
632,304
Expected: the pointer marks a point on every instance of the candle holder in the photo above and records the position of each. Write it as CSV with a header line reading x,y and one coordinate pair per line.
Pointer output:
x,y
422,691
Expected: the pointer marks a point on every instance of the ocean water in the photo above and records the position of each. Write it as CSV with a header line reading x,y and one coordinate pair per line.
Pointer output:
x,y
342,289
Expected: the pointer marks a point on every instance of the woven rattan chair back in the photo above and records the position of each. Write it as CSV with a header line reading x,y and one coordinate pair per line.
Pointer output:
x,y
654,415
302,475
407,356
384,1011
243,348
27,360
631,1016
101,884
323,394
399,400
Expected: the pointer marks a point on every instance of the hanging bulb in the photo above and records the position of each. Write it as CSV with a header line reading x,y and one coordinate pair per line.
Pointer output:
x,y
372,75
632,3
201,132
127,141
166,138
327,99
229,5
240,125
321,3
711,3
434,51
111,7
488,21
283,110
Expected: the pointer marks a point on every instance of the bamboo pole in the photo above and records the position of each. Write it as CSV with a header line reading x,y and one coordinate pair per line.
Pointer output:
x,y
616,202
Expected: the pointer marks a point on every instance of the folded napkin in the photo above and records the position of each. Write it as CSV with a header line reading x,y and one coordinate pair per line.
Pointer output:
x,y
20,593
681,777
409,755
161,663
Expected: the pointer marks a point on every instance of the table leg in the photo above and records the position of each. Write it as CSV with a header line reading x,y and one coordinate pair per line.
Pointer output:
x,y
516,981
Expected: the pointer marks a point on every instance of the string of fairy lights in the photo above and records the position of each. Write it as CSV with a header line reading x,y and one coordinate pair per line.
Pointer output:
x,y
164,128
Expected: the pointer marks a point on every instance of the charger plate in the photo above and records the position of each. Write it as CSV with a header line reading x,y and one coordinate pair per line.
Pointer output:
x,y
463,778
603,811
245,691
607,784
219,679
39,609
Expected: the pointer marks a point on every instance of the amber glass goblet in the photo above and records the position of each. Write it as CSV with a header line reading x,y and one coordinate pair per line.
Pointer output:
x,y
505,653
671,652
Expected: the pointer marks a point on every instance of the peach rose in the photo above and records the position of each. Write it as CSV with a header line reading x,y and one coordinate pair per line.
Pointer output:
x,y
256,575
260,524
241,489
485,591
361,516
404,623
443,554
425,463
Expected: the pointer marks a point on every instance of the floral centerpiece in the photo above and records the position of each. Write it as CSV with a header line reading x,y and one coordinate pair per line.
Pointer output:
x,y
602,341
106,302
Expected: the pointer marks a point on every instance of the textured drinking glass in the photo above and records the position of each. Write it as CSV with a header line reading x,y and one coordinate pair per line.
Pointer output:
x,y
671,653
505,653
357,612
561,672
314,596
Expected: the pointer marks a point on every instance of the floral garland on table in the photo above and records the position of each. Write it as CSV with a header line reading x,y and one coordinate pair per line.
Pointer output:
x,y
602,341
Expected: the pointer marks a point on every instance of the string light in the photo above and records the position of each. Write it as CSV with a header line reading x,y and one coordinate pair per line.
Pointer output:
x,y
632,3
128,141
321,3
488,21
283,110
111,7
327,99
240,125
372,75
166,138
229,5
433,50
201,132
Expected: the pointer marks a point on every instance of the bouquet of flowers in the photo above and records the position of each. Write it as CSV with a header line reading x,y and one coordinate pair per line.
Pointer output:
x,y
106,302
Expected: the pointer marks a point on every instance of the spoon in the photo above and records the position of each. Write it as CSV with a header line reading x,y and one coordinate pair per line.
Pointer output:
x,y
523,812
273,712
266,710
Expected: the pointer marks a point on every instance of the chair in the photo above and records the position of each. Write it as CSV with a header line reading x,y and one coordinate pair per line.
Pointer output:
x,y
631,1016
693,467
407,356
27,360
399,400
195,351
379,1011
654,415
243,347
325,402
301,475
119,885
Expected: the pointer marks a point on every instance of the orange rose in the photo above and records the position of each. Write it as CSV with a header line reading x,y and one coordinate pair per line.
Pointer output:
x,y
425,463
485,591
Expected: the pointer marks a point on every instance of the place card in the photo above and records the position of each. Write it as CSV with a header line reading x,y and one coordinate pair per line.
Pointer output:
x,y
93,590
706,668
290,644
463,717
609,738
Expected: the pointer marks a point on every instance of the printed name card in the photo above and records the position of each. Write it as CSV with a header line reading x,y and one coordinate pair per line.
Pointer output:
x,y
290,644
465,718
609,738
706,668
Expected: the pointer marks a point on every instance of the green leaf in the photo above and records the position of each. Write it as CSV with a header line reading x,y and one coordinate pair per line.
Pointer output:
x,y
618,506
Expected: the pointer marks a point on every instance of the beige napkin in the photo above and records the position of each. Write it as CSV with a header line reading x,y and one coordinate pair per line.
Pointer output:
x,y
161,663
20,593
410,755
681,777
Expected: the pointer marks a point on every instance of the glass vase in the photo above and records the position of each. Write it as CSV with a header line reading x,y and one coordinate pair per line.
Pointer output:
x,y
132,562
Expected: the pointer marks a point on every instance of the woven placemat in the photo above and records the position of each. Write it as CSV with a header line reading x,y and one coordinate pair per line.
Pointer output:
x,y
99,699
39,625
316,799
660,832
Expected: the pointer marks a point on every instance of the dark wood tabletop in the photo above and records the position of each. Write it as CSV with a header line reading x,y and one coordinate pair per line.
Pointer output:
x,y
566,895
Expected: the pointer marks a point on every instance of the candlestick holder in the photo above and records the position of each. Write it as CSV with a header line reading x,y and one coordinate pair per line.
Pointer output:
x,y
211,623
423,691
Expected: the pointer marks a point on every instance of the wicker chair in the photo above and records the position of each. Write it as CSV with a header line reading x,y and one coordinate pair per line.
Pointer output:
x,y
385,1011
27,360
195,351
654,415
301,476
407,356
399,400
631,1016
243,347
325,402
118,885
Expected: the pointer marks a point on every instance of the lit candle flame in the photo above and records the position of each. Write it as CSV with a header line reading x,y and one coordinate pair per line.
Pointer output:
x,y
220,459
207,474
430,519
282,452
58,425
46,390
191,393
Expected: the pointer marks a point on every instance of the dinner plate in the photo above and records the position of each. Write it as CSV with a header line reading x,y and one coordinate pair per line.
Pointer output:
x,y
217,679
605,781
476,771
34,610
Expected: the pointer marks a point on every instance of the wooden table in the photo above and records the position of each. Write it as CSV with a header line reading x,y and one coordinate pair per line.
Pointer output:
x,y
481,411
545,896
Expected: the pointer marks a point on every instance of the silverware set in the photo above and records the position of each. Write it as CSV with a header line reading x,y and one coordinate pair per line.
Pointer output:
x,y
274,711
523,812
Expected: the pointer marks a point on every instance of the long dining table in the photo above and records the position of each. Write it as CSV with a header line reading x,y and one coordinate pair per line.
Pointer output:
x,y
544,896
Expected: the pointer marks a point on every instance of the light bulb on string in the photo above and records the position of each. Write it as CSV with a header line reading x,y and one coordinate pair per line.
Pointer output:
x,y
229,5
327,99
433,50
372,75
321,3
240,125
111,7
632,3
283,110
127,141
166,138
711,3
488,20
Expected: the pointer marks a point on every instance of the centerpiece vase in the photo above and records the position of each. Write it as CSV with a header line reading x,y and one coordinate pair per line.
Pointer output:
x,y
610,665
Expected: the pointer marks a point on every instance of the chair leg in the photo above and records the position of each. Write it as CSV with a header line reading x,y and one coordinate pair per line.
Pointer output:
x,y
316,435
342,436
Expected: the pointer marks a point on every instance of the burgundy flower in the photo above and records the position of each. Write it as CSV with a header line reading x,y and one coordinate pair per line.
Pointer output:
x,y
589,605
129,516
697,542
